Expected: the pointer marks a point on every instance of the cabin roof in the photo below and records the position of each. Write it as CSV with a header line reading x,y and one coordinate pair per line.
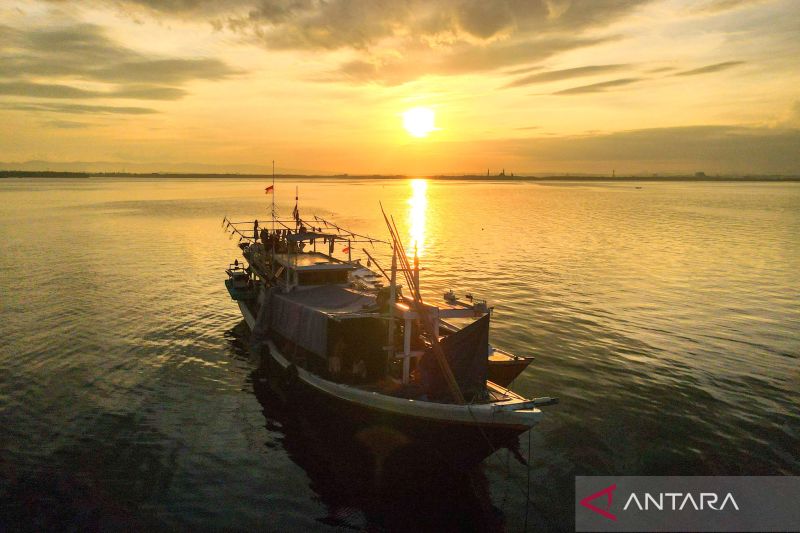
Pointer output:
x,y
331,300
306,261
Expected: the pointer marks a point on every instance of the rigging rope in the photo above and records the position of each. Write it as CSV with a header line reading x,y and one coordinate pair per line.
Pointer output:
x,y
526,491
528,484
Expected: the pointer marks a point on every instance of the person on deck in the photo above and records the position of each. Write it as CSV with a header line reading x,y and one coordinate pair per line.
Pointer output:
x,y
265,239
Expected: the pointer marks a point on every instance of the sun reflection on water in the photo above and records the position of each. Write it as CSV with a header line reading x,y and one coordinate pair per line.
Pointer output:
x,y
418,205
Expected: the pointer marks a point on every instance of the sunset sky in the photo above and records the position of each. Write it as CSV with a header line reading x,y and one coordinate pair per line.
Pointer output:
x,y
532,86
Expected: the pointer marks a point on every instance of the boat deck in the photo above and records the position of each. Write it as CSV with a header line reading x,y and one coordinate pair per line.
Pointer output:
x,y
311,261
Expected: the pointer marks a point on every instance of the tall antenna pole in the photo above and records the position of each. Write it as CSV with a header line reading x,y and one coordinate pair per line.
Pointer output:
x,y
273,196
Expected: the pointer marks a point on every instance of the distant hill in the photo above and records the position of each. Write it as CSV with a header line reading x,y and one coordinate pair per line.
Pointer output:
x,y
477,177
146,168
40,174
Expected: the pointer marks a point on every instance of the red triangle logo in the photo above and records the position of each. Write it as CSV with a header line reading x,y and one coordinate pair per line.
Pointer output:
x,y
608,492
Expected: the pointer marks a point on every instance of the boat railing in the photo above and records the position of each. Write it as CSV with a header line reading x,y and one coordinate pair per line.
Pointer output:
x,y
295,226
236,268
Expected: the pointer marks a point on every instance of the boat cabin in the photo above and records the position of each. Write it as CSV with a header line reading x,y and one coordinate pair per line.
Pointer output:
x,y
296,267
311,268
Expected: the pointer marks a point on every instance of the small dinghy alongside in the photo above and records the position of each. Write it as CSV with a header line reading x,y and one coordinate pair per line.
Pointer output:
x,y
351,341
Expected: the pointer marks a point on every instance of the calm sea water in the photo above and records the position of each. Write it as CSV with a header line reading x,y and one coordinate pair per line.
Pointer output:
x,y
666,316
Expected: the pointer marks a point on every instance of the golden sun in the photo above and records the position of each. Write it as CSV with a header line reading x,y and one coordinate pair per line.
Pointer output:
x,y
418,121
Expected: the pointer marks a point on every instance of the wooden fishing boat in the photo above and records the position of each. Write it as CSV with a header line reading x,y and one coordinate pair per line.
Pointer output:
x,y
362,346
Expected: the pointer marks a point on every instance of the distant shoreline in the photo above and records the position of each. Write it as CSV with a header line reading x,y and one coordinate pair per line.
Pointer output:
x,y
557,177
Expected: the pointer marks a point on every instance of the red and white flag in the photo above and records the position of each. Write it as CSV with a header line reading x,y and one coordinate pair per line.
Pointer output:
x,y
270,189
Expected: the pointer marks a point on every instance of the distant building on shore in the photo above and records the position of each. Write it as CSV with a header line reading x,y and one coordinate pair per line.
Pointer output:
x,y
501,174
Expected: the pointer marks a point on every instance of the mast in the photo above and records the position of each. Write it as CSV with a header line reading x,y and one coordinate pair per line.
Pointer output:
x,y
425,319
392,299
273,196
296,209
273,237
416,265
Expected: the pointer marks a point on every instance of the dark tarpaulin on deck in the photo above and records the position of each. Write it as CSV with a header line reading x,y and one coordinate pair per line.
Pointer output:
x,y
467,352
332,300
261,329
302,316
305,326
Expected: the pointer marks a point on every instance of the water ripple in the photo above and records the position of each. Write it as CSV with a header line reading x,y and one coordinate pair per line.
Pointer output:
x,y
665,320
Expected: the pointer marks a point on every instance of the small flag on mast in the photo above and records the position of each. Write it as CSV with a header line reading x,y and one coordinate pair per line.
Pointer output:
x,y
270,189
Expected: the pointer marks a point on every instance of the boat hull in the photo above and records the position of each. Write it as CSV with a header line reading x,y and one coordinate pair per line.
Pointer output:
x,y
505,372
392,436
237,293
458,436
